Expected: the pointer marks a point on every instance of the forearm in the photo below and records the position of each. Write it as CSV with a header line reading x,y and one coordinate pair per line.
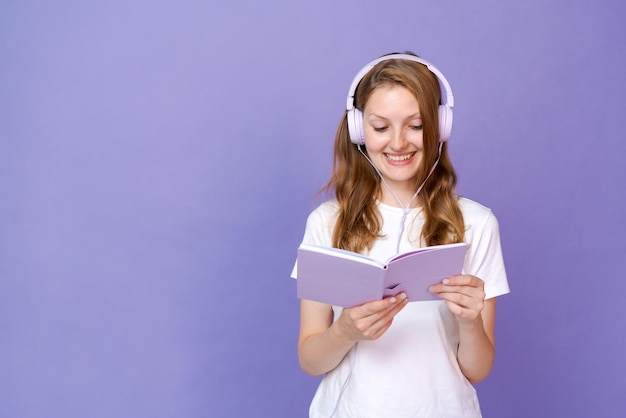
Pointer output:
x,y
323,352
476,351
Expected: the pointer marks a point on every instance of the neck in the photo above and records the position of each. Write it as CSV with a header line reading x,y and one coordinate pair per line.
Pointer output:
x,y
404,199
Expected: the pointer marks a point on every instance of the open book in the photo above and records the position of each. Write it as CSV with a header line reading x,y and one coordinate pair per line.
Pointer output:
x,y
344,278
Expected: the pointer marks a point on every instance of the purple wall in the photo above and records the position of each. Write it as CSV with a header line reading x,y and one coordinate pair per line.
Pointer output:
x,y
158,160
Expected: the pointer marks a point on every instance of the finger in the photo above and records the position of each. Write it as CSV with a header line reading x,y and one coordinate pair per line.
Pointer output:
x,y
380,326
462,299
462,313
462,306
469,292
391,311
397,306
463,280
468,285
455,309
379,306
364,317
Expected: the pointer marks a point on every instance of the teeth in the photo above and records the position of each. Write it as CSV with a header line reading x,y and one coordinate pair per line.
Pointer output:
x,y
399,157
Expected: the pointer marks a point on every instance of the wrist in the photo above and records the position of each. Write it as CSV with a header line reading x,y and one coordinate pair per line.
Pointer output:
x,y
340,332
471,325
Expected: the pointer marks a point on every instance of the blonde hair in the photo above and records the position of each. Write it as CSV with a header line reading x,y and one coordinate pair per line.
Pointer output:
x,y
356,185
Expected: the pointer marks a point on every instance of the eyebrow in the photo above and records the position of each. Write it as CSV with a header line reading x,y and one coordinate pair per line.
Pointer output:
x,y
413,116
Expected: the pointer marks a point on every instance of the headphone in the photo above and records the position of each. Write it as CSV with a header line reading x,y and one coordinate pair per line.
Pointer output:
x,y
355,116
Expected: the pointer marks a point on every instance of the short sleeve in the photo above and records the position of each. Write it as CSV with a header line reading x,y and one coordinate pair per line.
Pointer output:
x,y
484,258
319,228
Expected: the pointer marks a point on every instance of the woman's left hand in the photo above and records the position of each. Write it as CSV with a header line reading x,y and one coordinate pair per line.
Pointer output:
x,y
464,295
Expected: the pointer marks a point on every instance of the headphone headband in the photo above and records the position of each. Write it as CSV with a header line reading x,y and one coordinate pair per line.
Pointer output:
x,y
355,117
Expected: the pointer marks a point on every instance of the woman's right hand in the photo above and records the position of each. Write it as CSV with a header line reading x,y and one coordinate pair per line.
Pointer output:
x,y
322,343
370,320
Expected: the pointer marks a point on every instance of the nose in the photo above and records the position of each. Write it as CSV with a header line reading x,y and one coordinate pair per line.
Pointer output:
x,y
398,140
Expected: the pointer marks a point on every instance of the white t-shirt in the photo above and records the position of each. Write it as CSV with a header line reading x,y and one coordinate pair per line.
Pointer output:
x,y
412,369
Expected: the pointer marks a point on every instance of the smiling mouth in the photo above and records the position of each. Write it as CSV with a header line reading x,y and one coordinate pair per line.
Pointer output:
x,y
402,157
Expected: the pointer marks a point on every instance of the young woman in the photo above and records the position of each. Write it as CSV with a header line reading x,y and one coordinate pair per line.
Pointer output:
x,y
394,188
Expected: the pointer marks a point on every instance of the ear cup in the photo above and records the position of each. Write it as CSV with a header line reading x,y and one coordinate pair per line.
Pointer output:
x,y
445,123
355,126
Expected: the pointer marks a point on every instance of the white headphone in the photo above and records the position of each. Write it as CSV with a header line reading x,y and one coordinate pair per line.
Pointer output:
x,y
355,116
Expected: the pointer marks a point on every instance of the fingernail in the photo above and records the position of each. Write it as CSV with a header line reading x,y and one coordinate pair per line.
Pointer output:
x,y
403,296
393,300
445,281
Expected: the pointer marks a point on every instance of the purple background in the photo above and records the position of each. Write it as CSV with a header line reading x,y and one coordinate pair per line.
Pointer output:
x,y
158,160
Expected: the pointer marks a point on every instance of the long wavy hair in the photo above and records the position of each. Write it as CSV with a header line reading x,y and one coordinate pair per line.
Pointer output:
x,y
356,185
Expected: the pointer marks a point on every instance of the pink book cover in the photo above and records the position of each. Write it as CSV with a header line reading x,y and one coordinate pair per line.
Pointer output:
x,y
343,278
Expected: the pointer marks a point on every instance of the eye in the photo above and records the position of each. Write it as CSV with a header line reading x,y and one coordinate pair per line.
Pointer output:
x,y
416,127
379,128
